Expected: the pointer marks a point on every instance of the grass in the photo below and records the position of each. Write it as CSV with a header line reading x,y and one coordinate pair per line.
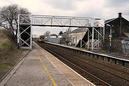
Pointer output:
x,y
9,54
23,49
5,46
4,66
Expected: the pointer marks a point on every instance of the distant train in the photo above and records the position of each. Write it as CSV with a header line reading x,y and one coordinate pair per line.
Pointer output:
x,y
41,38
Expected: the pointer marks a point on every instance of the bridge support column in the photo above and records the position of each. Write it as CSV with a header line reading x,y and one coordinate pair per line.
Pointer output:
x,y
92,43
24,37
88,39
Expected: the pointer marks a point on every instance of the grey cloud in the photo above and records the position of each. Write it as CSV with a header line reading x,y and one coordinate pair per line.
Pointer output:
x,y
126,14
117,3
118,6
63,4
91,13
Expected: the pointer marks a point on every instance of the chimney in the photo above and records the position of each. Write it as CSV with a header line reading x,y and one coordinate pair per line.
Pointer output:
x,y
119,15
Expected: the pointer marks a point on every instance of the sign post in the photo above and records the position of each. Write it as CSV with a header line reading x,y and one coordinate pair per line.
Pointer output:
x,y
110,39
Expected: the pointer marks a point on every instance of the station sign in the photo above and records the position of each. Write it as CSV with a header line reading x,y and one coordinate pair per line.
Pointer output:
x,y
110,36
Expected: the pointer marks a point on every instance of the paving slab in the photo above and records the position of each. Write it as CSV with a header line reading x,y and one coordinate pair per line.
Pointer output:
x,y
72,76
40,68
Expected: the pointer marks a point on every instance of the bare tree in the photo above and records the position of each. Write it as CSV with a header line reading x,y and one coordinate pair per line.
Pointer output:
x,y
10,14
60,33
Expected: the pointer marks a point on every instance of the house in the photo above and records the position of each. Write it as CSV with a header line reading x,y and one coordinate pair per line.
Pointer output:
x,y
118,29
77,35
53,38
65,37
90,37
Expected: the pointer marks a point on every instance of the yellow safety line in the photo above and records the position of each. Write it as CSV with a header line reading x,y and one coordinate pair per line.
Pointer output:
x,y
41,61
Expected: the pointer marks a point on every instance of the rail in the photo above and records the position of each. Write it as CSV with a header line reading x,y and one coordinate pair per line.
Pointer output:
x,y
108,58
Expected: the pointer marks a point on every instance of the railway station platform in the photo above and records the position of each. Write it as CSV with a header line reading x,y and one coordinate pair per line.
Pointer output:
x,y
40,68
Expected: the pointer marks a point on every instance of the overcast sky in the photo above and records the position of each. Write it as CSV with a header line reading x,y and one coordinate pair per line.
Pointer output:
x,y
88,8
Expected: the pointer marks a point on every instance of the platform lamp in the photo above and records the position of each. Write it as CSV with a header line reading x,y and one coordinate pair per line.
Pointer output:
x,y
110,37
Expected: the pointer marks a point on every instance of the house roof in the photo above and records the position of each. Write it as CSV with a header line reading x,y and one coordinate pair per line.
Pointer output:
x,y
117,20
126,34
109,20
79,30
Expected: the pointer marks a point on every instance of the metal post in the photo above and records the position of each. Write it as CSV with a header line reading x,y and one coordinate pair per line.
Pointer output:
x,y
92,38
88,38
81,43
30,32
98,37
110,38
103,33
51,20
18,40
76,40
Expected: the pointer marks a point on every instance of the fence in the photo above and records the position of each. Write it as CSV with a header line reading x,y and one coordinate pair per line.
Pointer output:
x,y
118,45
125,47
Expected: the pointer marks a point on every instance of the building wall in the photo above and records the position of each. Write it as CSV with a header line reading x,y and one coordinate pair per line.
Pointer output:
x,y
53,40
75,37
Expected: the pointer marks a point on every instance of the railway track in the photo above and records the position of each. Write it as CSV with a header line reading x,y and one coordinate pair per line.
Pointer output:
x,y
90,69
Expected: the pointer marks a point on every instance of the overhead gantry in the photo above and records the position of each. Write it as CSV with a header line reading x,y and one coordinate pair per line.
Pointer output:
x,y
25,23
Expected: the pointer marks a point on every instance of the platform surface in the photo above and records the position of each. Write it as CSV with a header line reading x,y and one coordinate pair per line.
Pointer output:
x,y
40,68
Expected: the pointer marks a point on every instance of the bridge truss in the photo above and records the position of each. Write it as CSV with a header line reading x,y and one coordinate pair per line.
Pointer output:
x,y
25,23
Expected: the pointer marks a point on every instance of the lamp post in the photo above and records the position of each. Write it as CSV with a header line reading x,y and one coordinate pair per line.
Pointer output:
x,y
110,38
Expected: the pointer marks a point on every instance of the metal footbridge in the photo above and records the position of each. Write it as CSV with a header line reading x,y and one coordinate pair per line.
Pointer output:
x,y
25,23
